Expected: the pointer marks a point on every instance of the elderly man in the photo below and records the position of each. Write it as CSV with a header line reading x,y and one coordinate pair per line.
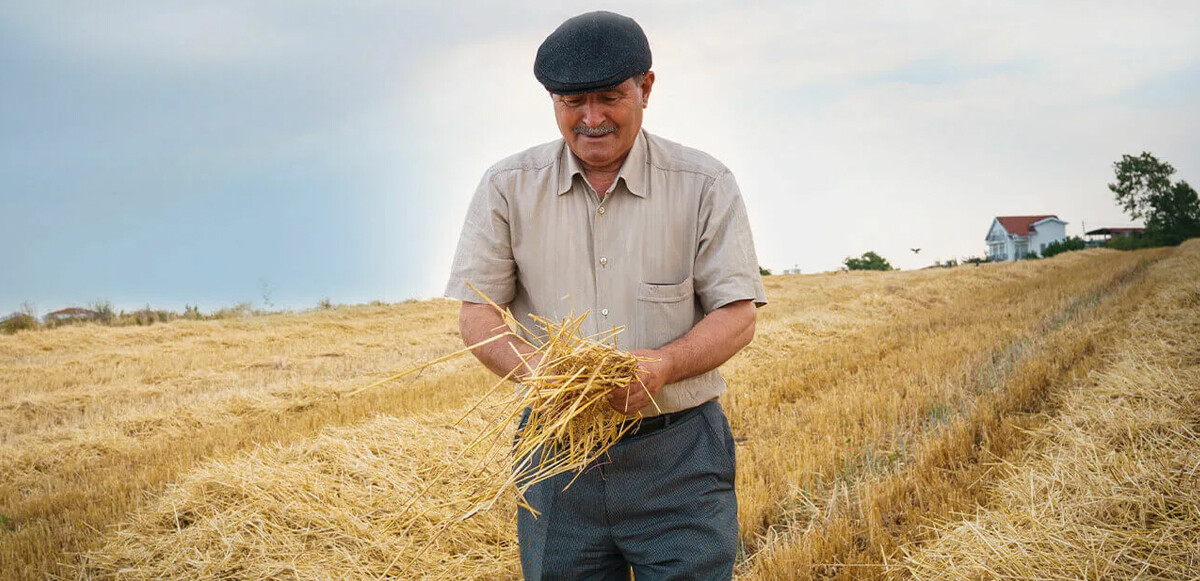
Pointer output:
x,y
645,234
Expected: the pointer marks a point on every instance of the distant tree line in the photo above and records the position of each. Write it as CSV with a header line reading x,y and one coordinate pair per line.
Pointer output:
x,y
103,313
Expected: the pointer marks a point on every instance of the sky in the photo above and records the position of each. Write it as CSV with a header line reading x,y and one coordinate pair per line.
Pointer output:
x,y
281,152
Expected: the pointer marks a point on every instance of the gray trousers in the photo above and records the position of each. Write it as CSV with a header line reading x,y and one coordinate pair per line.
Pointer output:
x,y
662,504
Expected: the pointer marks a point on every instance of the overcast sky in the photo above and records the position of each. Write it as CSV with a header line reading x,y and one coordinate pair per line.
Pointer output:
x,y
218,152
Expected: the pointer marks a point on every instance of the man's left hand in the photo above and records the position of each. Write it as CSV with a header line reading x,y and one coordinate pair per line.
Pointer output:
x,y
651,377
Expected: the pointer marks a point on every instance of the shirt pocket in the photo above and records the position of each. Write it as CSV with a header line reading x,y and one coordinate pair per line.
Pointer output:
x,y
665,312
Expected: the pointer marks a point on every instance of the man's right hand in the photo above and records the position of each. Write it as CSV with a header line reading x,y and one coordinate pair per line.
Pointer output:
x,y
652,375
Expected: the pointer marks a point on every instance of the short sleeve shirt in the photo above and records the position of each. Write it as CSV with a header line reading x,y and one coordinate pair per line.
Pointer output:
x,y
667,244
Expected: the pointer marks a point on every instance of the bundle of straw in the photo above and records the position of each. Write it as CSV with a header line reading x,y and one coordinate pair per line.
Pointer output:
x,y
569,426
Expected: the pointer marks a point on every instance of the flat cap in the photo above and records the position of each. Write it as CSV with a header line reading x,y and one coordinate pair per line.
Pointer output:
x,y
591,52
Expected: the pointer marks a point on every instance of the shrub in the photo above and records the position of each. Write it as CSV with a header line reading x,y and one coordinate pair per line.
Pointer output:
x,y
1131,242
868,261
239,310
104,312
145,316
18,322
1064,245
24,318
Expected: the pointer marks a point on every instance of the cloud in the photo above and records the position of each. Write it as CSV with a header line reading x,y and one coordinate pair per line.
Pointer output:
x,y
131,34
850,126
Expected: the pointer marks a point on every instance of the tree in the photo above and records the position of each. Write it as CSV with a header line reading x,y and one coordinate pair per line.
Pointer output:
x,y
763,271
1144,190
1176,215
868,261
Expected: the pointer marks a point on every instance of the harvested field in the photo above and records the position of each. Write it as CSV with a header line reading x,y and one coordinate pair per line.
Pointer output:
x,y
1110,486
872,412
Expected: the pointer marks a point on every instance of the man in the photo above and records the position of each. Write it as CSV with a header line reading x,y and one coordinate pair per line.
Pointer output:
x,y
645,234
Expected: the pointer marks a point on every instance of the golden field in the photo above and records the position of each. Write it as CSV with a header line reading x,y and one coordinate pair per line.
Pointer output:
x,y
943,423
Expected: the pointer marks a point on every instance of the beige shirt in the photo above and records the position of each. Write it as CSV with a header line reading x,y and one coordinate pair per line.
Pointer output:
x,y
668,243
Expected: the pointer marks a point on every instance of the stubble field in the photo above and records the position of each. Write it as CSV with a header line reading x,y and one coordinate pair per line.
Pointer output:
x,y
976,422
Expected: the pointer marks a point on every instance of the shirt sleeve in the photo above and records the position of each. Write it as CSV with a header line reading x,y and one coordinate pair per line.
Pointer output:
x,y
484,257
726,267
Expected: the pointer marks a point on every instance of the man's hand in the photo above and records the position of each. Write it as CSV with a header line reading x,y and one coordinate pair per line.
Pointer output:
x,y
710,343
651,377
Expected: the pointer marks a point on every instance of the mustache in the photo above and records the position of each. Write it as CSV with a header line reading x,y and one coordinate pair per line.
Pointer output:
x,y
582,129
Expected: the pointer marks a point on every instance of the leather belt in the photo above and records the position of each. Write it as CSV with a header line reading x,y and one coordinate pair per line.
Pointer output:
x,y
656,423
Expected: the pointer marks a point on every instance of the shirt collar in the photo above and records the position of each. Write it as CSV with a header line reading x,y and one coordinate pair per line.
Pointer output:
x,y
633,171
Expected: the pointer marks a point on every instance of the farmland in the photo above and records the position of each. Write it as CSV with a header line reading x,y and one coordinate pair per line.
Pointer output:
x,y
896,424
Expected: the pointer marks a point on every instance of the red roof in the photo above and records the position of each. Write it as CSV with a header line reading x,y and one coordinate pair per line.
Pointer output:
x,y
1116,231
71,312
1019,225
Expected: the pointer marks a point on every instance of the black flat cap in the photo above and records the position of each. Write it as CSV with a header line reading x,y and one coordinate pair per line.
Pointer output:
x,y
591,52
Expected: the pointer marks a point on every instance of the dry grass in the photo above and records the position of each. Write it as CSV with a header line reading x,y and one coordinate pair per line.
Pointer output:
x,y
867,402
359,499
851,442
93,418
317,509
1111,487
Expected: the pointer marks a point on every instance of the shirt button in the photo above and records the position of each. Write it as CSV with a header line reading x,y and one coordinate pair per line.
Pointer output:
x,y
601,210
603,261
604,312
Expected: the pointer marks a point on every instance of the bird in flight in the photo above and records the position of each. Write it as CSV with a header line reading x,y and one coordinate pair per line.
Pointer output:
x,y
915,250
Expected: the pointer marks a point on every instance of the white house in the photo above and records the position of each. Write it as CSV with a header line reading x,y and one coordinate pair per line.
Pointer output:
x,y
1013,237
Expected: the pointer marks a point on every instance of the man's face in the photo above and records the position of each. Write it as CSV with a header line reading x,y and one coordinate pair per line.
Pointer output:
x,y
600,127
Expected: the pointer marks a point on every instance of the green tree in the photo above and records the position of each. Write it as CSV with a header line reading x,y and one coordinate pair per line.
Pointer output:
x,y
868,261
1144,190
763,271
1176,215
